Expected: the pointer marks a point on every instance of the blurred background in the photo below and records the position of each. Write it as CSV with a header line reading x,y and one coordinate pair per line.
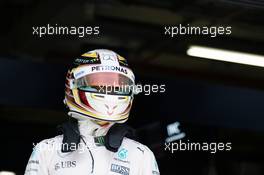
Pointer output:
x,y
213,101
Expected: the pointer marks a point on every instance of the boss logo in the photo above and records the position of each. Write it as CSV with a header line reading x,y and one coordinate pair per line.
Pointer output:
x,y
120,169
65,164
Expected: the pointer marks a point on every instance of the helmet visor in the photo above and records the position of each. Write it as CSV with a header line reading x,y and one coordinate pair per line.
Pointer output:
x,y
105,83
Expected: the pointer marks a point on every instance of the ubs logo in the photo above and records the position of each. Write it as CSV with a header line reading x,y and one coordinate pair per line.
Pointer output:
x,y
65,164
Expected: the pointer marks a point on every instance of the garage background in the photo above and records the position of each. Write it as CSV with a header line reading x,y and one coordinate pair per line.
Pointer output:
x,y
213,101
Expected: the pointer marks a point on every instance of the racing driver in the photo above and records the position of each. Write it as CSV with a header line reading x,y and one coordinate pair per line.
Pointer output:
x,y
95,139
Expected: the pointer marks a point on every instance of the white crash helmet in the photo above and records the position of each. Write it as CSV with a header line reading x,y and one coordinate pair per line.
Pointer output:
x,y
100,87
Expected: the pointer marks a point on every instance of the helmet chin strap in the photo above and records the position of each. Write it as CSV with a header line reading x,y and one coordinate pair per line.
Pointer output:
x,y
82,117
101,123
99,127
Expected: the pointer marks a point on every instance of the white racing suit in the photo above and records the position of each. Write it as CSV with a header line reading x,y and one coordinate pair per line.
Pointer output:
x,y
132,158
